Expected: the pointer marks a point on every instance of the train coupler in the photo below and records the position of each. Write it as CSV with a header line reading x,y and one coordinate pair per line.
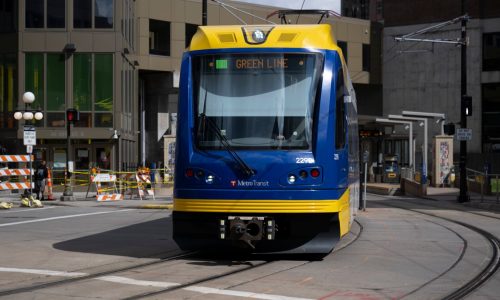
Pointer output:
x,y
247,229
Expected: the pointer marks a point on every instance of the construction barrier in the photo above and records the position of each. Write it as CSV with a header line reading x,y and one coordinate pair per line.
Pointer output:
x,y
104,193
144,185
16,172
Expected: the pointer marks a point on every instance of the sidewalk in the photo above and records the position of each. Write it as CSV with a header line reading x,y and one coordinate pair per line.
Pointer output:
x,y
162,200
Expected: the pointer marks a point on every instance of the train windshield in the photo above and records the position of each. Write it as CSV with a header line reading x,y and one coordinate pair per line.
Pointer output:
x,y
256,101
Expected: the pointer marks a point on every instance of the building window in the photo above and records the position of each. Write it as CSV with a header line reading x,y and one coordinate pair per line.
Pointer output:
x,y
45,76
103,69
8,90
56,13
34,75
366,57
490,117
82,13
103,13
190,31
159,37
34,13
56,87
93,73
7,16
99,11
343,46
491,51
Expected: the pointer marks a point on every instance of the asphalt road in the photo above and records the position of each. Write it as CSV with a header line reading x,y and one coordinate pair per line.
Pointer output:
x,y
392,253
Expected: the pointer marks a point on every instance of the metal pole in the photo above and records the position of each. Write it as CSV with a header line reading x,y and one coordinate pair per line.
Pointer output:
x,y
424,169
31,175
364,188
463,197
204,13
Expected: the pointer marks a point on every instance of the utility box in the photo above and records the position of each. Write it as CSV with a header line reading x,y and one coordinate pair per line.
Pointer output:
x,y
443,161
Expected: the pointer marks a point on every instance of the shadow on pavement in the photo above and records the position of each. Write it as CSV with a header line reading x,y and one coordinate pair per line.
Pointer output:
x,y
147,239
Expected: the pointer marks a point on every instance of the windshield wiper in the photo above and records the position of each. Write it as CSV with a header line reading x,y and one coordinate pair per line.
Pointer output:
x,y
223,140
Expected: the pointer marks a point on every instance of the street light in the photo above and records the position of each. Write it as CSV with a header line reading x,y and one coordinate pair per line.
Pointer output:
x,y
29,136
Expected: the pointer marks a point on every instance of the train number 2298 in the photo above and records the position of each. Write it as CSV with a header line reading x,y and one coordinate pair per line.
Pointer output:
x,y
304,160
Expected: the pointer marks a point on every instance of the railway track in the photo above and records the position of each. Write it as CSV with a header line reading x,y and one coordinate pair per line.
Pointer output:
x,y
479,279
108,273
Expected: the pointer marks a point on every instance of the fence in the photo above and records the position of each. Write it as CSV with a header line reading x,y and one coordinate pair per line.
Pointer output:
x,y
483,183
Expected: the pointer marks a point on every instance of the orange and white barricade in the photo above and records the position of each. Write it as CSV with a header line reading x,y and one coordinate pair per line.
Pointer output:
x,y
16,172
144,185
105,193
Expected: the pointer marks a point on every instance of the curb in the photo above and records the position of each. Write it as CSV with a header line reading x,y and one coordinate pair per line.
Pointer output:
x,y
156,206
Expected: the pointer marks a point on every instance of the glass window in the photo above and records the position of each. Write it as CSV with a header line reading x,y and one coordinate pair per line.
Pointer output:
x,y
366,57
103,82
82,14
103,13
261,101
34,77
82,81
159,37
104,120
34,14
55,119
190,31
56,13
7,16
340,118
491,51
490,117
343,46
85,120
8,90
56,82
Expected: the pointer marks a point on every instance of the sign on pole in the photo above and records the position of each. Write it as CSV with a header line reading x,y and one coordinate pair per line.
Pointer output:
x,y
29,137
29,149
464,134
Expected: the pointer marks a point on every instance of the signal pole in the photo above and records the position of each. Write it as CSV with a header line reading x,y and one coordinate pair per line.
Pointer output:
x,y
463,197
204,13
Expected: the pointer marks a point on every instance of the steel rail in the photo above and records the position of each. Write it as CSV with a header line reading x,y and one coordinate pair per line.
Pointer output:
x,y
488,271
44,285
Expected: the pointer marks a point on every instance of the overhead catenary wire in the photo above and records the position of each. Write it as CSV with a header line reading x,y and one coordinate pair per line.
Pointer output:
x,y
227,7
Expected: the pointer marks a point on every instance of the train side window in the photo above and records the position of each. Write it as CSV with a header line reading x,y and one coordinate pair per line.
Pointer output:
x,y
340,124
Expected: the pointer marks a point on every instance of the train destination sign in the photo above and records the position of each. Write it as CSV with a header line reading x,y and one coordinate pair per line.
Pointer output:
x,y
258,62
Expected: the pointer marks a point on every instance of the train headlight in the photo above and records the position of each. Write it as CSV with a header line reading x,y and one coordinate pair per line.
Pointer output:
x,y
258,36
292,178
210,179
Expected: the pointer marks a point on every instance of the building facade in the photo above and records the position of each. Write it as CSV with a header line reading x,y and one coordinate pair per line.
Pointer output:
x,y
426,77
118,63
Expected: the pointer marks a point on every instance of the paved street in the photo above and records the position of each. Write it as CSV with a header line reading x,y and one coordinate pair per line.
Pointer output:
x,y
393,252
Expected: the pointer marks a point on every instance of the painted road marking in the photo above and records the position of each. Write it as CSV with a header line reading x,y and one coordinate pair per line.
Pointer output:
x,y
161,284
125,280
26,210
43,272
64,217
208,290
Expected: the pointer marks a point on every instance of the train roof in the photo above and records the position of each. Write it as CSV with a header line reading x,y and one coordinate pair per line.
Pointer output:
x,y
317,36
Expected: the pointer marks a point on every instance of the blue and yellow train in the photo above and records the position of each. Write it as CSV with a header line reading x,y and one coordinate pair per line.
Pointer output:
x,y
267,141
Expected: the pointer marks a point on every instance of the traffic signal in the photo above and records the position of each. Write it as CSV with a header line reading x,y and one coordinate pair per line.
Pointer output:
x,y
467,105
72,115
449,129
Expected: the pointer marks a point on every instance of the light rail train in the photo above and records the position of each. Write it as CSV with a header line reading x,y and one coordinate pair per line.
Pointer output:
x,y
267,141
